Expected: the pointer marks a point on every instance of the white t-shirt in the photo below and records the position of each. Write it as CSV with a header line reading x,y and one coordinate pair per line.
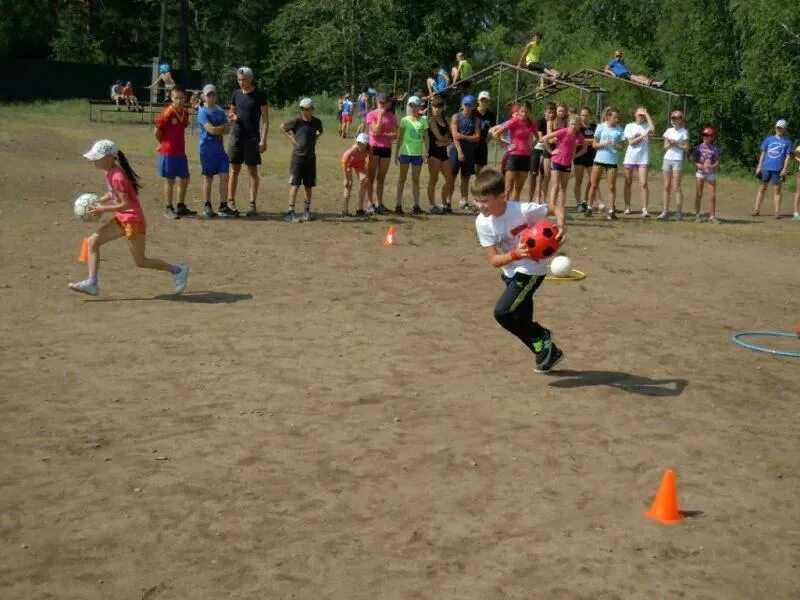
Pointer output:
x,y
637,154
504,232
676,134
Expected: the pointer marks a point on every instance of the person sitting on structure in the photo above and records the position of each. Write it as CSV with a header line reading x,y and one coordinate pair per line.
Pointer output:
x,y
165,77
462,70
116,93
439,81
616,68
131,100
532,58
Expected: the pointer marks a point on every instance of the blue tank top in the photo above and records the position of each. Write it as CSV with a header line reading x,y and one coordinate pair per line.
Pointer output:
x,y
466,125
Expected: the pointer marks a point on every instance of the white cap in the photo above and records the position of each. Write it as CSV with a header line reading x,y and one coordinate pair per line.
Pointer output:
x,y
484,94
101,149
362,138
415,101
781,123
208,89
306,103
245,72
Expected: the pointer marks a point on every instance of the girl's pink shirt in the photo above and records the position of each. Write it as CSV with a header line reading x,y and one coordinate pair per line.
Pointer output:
x,y
118,182
388,125
566,142
520,131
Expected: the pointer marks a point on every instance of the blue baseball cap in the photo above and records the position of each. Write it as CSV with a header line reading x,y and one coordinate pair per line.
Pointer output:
x,y
469,100
163,68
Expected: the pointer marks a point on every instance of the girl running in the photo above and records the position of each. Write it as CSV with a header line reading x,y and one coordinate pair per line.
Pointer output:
x,y
567,140
706,160
607,142
676,144
585,162
439,139
637,157
411,149
382,126
523,136
355,159
128,221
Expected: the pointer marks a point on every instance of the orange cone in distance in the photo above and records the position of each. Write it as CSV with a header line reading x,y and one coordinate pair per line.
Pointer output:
x,y
391,236
84,253
665,505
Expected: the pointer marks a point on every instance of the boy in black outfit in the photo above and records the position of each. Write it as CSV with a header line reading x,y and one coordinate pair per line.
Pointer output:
x,y
303,131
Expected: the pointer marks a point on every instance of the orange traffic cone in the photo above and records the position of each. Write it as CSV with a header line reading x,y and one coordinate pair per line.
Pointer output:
x,y
391,236
665,505
84,253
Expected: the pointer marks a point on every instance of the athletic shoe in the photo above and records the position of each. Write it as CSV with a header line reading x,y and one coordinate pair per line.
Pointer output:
x,y
663,216
345,213
234,210
545,345
251,211
306,216
698,219
208,211
463,204
796,216
181,278
417,211
227,211
361,213
398,209
714,221
755,213
612,215
447,209
587,210
85,287
382,210
291,217
645,214
436,210
627,210
601,206
554,357
679,216
170,213
370,212
580,207
185,211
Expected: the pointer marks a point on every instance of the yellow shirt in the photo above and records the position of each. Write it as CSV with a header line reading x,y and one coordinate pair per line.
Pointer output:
x,y
534,54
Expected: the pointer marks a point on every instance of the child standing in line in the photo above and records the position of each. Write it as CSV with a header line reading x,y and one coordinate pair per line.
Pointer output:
x,y
567,140
499,226
607,143
412,146
676,144
347,115
524,133
171,126
355,158
776,152
123,200
706,160
303,132
213,160
637,157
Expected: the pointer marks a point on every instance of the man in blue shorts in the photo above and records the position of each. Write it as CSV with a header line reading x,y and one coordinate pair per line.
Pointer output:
x,y
213,160
462,152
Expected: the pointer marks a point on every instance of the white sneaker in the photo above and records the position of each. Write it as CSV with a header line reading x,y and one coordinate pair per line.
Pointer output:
x,y
645,214
85,287
181,278
627,210
796,216
602,207
463,203
664,214
713,220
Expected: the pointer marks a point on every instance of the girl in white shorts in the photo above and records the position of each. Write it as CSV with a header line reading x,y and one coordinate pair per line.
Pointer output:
x,y
676,144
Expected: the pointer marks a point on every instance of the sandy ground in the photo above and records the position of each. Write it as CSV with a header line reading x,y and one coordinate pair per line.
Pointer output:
x,y
322,417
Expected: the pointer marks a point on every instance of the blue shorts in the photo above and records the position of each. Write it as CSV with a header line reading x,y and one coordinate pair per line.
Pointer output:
x,y
405,159
773,177
171,167
465,167
213,161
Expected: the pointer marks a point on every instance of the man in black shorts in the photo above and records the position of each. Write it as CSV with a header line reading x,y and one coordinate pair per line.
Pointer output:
x,y
303,132
249,115
486,120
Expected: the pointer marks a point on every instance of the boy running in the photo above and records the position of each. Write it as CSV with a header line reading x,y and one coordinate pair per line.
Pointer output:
x,y
303,131
213,160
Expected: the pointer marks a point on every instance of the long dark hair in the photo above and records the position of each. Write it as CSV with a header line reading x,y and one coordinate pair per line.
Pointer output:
x,y
126,166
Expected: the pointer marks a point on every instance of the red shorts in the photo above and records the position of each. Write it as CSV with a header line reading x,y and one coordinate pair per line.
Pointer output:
x,y
132,229
347,117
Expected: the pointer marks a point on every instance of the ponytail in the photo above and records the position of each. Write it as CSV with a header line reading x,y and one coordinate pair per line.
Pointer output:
x,y
126,166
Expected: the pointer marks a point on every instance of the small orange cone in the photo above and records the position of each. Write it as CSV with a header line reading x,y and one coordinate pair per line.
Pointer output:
x,y
665,505
84,253
391,236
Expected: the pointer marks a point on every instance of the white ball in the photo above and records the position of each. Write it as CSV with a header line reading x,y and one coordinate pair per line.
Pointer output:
x,y
82,205
561,266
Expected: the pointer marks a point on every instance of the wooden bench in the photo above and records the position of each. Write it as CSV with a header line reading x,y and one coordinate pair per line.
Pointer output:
x,y
102,107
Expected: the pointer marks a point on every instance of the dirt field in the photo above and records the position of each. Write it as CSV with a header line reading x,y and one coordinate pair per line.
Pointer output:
x,y
321,417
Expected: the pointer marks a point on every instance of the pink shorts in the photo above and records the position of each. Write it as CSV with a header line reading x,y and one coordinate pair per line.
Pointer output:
x,y
636,165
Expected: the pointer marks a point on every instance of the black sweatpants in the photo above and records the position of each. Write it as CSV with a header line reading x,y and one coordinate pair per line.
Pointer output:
x,y
514,309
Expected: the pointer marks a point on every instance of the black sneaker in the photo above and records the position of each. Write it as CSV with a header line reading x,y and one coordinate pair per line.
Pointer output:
x,y
612,215
436,210
398,209
227,211
587,210
554,357
360,213
417,211
170,213
382,210
251,211
185,211
545,348
580,207
447,209
208,211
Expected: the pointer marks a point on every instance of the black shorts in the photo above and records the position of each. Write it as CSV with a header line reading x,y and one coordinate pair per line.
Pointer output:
x,y
437,152
244,151
624,76
547,153
381,152
557,167
466,167
482,154
537,67
603,165
537,162
518,163
303,171
585,160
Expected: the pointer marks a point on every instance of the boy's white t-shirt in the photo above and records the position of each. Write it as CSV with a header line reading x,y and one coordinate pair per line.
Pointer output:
x,y
504,232
676,134
638,154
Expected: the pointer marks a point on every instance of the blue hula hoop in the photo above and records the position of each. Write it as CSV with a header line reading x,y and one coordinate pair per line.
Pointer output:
x,y
736,338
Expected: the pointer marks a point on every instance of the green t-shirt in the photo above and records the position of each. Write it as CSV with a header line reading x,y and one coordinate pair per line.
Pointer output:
x,y
466,68
534,54
412,136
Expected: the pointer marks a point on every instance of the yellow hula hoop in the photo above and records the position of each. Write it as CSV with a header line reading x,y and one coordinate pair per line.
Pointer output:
x,y
574,275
